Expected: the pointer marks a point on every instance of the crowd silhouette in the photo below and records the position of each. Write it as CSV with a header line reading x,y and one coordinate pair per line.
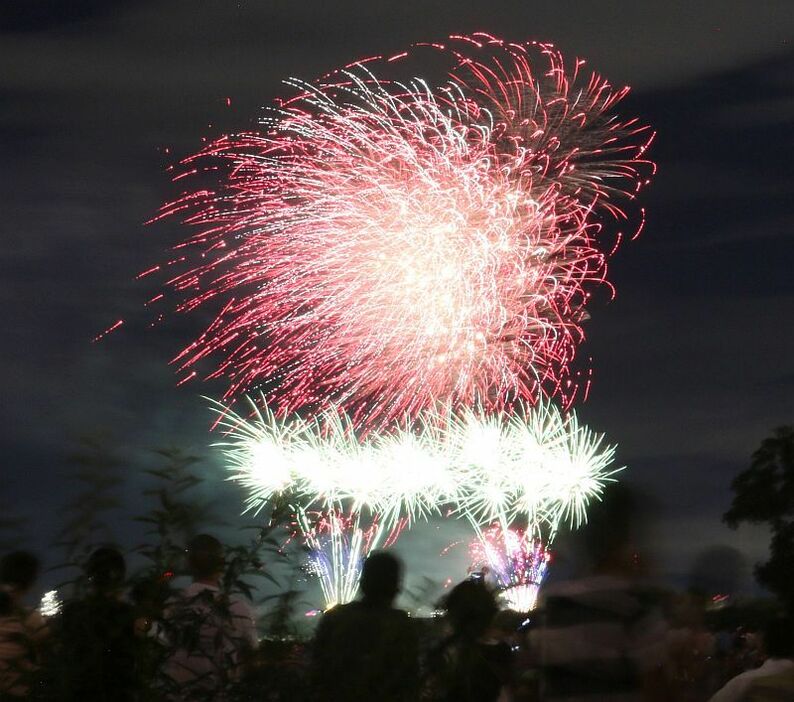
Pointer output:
x,y
22,630
604,635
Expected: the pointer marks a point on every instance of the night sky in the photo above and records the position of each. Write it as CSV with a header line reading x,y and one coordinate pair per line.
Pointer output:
x,y
693,360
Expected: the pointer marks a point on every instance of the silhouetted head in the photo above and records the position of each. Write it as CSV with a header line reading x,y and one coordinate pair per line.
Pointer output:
x,y
205,557
381,577
18,571
779,638
471,607
106,569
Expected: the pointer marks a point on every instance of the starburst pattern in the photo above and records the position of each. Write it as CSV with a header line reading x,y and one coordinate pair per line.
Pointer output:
x,y
539,467
384,244
350,494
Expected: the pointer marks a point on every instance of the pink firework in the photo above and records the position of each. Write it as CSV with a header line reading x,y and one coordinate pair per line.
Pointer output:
x,y
385,245
517,563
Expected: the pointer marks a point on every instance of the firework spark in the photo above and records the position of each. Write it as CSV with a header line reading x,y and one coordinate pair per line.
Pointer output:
x,y
50,604
383,245
350,494
539,467
516,561
338,545
323,464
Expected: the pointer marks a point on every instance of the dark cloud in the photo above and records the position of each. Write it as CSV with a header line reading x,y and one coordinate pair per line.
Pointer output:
x,y
35,16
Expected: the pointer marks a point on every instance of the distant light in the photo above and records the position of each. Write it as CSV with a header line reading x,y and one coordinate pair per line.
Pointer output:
x,y
50,604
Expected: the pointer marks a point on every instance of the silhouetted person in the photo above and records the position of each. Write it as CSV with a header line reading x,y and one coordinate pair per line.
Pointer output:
x,y
774,679
599,637
367,650
149,597
468,667
209,630
21,629
97,649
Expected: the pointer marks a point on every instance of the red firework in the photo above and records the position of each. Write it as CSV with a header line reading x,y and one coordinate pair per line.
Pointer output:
x,y
385,245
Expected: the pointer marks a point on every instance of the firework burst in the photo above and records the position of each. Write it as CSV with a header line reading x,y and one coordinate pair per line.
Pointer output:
x,y
524,476
538,467
517,563
347,496
382,245
323,464
338,544
350,495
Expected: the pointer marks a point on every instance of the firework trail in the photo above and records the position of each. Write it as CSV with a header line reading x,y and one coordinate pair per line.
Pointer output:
x,y
516,561
351,495
523,476
347,496
384,243
538,467
338,544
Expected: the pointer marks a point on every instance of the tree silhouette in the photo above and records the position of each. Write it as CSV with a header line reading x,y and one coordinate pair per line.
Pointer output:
x,y
97,470
764,494
177,513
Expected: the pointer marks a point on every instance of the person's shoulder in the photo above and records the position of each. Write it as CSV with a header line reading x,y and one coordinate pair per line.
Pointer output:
x,y
778,683
195,589
498,649
107,607
398,620
197,596
736,687
72,610
337,618
342,612
499,657
108,613
35,622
